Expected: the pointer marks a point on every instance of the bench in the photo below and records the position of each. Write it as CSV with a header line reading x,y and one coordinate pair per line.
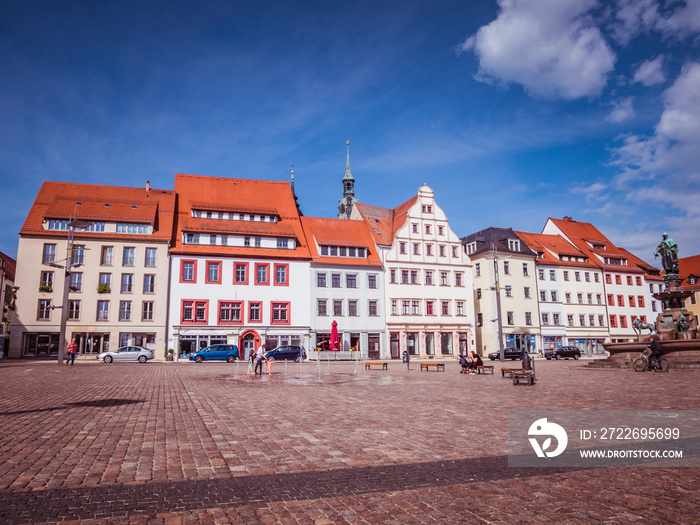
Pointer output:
x,y
528,376
482,369
370,364
436,366
507,372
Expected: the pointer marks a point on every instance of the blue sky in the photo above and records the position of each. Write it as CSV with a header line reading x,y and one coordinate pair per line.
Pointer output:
x,y
512,111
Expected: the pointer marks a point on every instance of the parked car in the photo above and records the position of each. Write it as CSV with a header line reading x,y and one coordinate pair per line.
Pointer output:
x,y
508,353
288,353
563,352
228,353
127,353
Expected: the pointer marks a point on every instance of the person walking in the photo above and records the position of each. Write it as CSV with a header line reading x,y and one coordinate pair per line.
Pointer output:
x,y
407,360
259,357
71,352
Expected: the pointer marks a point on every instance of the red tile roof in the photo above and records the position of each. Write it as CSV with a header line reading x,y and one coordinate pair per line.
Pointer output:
x,y
272,198
340,232
688,266
552,246
61,200
385,222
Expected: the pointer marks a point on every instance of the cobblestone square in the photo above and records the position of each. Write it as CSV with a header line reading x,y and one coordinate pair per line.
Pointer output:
x,y
316,443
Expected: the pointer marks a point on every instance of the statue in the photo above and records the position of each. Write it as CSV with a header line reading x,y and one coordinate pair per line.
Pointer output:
x,y
668,249
683,325
639,326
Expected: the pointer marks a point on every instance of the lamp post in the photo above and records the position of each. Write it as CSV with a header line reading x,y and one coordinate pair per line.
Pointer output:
x,y
72,224
498,304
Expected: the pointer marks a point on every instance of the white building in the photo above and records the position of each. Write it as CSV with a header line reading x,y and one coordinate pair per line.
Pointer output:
x,y
428,296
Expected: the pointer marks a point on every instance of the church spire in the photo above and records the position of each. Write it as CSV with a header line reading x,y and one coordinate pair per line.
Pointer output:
x,y
345,204
294,194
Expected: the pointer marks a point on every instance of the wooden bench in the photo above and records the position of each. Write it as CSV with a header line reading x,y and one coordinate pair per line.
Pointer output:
x,y
370,364
436,366
508,372
528,376
482,369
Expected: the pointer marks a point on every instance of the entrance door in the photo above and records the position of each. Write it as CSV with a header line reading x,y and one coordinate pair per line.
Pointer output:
x,y
248,345
373,344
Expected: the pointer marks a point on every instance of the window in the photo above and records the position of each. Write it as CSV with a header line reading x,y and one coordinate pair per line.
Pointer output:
x,y
415,308
506,267
213,272
596,278
212,239
513,245
620,300
429,308
510,317
150,257
321,307
526,292
540,274
618,279
613,321
188,271
78,255
608,280
566,275
405,307
415,228
414,277
261,273
568,297
258,242
282,243
479,319
528,318
477,269
460,307
591,320
623,321
194,312
147,311
545,319
372,282
441,230
127,283
352,308
125,310
611,299
404,276
587,276
230,312
280,313
428,277
629,280
240,273
638,280
478,293
577,276
373,311
509,291
49,254
74,310
392,276
443,278
351,280
582,320
125,227
394,309
427,229
128,259
402,247
590,298
454,251
246,241
105,282
103,310
427,209
525,270
335,280
543,296
76,282
46,281
599,298
570,320
445,305
416,248
44,310
281,271
442,250
579,296
428,249
193,238
640,301
321,280
107,256
552,275
338,308
458,279
631,301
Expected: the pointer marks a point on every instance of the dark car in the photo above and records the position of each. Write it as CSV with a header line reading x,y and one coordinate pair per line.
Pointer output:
x,y
508,353
564,352
288,353
227,353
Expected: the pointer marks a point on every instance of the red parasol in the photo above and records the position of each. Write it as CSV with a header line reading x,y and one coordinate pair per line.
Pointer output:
x,y
334,342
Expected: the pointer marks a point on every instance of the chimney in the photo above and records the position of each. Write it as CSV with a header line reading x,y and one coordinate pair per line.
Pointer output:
x,y
568,219
148,186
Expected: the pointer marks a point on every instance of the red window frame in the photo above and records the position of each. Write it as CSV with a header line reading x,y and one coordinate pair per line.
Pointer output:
x,y
195,303
241,306
629,280
235,272
206,277
618,279
611,299
631,300
282,305
251,304
620,300
640,302
260,265
608,278
194,271
286,273
638,279
613,321
623,321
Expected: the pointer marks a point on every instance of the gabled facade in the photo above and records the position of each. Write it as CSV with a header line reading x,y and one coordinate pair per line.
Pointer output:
x,y
628,281
119,269
428,296
7,300
239,266
689,272
347,286
571,295
503,264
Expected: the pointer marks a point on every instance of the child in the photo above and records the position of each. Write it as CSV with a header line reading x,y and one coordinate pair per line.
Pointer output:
x,y
269,364
251,360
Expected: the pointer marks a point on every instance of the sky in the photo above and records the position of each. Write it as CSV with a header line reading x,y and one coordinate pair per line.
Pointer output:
x,y
512,111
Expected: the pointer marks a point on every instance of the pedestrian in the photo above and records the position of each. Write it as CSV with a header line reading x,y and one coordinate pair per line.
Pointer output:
x,y
259,357
270,360
407,360
71,352
251,360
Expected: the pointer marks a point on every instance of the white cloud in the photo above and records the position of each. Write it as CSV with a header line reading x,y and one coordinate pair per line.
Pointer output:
x,y
684,21
634,17
622,110
550,47
650,72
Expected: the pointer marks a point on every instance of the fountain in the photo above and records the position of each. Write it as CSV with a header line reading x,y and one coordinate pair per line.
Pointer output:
x,y
676,328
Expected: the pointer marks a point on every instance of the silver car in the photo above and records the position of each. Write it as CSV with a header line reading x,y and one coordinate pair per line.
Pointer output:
x,y
127,353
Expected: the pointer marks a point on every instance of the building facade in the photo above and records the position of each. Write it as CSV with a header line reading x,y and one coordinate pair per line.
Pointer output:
x,y
118,277
7,300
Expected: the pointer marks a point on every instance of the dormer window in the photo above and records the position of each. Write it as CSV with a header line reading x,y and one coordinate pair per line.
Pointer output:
x,y
514,245
692,280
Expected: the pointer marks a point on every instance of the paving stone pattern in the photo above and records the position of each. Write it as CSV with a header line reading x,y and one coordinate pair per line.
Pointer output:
x,y
181,443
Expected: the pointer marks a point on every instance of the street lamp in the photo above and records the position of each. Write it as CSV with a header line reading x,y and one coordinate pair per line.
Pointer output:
x,y
72,224
498,304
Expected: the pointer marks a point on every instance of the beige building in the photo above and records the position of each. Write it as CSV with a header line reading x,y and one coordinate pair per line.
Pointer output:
x,y
118,281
